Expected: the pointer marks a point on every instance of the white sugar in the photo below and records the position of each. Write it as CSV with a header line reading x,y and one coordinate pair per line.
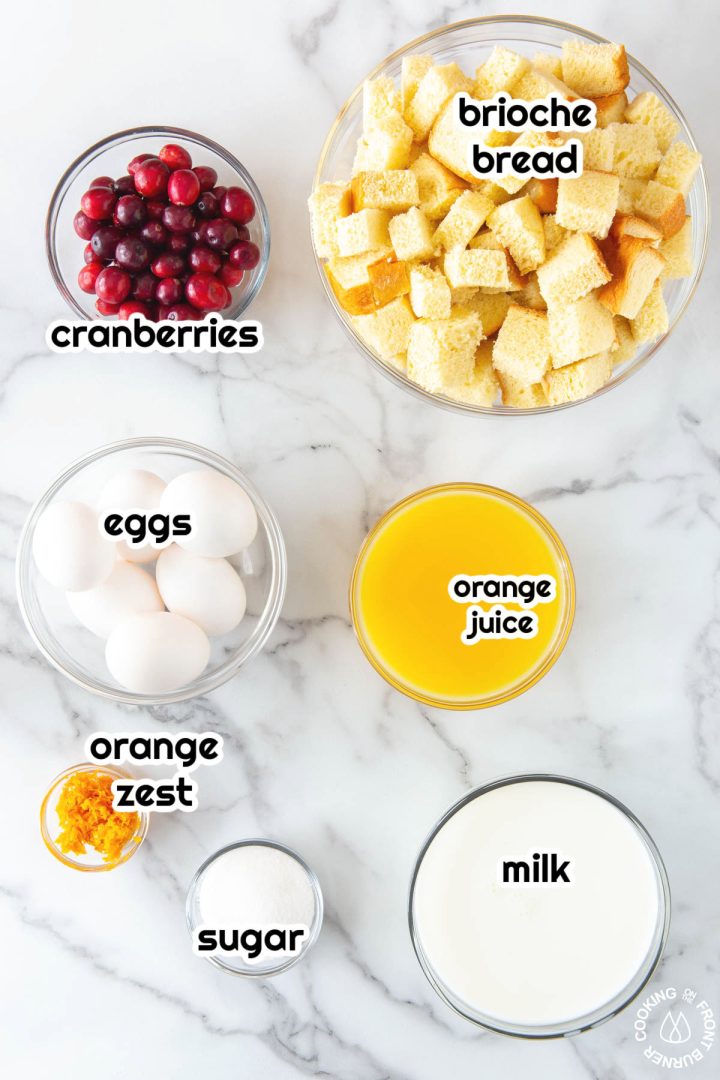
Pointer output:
x,y
254,886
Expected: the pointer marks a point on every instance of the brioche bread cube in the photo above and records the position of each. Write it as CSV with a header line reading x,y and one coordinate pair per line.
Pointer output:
x,y
380,100
635,266
486,239
663,207
366,230
626,344
598,148
578,330
577,381
387,330
414,68
518,227
356,300
464,295
519,396
630,191
632,225
353,271
450,143
328,203
435,88
647,108
438,187
678,254
531,296
610,109
492,190
479,267
535,84
522,346
483,386
466,215
573,269
429,293
543,193
651,320
548,65
588,203
500,71
554,233
395,190
492,309
594,70
385,146
637,153
677,169
411,235
389,278
441,352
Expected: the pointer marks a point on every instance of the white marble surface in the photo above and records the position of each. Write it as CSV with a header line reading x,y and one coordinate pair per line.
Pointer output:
x,y
96,974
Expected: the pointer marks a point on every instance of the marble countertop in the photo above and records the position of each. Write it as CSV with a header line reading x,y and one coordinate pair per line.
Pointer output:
x,y
96,973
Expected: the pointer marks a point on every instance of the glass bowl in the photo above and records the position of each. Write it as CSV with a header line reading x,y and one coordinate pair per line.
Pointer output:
x,y
469,43
193,915
92,861
74,650
624,997
109,157
527,678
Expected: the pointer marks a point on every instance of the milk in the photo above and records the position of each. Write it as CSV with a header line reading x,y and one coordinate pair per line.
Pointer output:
x,y
538,903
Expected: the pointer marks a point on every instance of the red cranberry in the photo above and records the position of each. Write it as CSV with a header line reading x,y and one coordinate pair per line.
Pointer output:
x,y
198,234
231,275
243,232
203,260
88,276
154,209
178,243
206,176
178,219
183,187
98,203
168,265
151,178
154,233
88,254
130,211
208,206
106,308
237,205
124,185
175,157
132,253
218,191
113,284
103,181
132,307
105,240
84,226
205,292
220,234
169,291
144,286
244,255
182,313
137,162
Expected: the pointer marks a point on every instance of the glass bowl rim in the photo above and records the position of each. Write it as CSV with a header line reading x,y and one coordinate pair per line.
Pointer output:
x,y
564,630
125,136
271,609
601,1014
399,378
70,860
318,914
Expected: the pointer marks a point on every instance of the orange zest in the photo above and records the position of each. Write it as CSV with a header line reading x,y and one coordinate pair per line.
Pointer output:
x,y
87,818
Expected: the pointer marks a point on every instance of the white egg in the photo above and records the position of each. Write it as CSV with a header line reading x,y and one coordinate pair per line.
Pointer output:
x,y
208,591
156,652
129,590
133,489
68,549
224,520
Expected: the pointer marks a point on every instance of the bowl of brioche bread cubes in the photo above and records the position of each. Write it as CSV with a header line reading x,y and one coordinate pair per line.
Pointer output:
x,y
508,295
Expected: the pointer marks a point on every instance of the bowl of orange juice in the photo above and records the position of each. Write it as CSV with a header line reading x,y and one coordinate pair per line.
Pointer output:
x,y
462,596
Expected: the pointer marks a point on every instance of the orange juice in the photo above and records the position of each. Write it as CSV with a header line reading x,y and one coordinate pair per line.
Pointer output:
x,y
462,596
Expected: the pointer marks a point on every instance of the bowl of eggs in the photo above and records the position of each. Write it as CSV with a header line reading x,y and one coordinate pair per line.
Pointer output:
x,y
151,571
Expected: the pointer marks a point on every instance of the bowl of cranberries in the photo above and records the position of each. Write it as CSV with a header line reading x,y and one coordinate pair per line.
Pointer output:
x,y
160,222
